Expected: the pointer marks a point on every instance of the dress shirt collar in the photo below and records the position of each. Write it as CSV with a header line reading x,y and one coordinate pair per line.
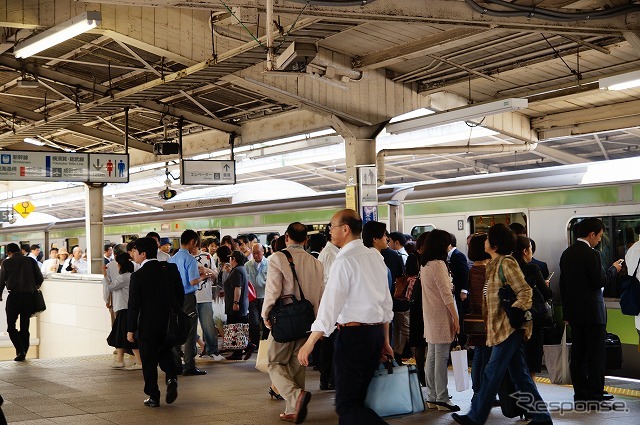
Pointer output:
x,y
450,253
147,260
295,245
585,241
349,246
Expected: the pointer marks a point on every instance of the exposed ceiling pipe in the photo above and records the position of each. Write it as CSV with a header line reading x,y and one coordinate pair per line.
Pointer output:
x,y
270,36
444,150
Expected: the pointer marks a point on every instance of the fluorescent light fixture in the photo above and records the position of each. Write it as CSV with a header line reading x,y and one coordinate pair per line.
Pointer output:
x,y
33,141
621,82
58,34
455,115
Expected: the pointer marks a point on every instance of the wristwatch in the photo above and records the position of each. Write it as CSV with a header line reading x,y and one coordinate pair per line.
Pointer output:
x,y
236,302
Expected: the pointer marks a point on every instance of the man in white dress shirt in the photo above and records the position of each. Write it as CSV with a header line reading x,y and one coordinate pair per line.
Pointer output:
x,y
357,298
631,259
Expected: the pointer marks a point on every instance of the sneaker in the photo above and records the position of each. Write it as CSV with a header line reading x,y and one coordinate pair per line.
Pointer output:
x,y
117,365
217,357
135,366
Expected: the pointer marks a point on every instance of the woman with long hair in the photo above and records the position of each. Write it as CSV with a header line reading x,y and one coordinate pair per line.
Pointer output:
x,y
507,328
236,298
119,289
416,320
533,276
441,323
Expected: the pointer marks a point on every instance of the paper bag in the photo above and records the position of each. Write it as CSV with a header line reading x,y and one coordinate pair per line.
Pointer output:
x,y
262,360
460,366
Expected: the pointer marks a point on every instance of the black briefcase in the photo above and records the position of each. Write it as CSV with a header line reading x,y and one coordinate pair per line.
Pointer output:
x,y
38,302
613,352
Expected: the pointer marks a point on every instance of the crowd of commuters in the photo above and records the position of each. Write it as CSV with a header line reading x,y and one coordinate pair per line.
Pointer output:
x,y
349,273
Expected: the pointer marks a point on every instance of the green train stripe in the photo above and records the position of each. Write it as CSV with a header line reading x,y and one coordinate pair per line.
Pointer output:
x,y
581,196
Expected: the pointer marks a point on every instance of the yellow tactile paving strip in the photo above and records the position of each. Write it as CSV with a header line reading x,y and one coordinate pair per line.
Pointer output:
x,y
611,390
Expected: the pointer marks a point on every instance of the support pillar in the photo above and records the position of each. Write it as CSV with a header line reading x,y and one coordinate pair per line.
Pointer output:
x,y
358,152
94,208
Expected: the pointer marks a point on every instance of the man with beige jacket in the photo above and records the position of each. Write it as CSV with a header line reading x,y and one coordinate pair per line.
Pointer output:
x,y
285,370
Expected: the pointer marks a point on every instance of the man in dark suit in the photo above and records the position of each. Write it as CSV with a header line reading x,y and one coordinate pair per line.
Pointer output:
x,y
581,281
21,275
459,267
154,288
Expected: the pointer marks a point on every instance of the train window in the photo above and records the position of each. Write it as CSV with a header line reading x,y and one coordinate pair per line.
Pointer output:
x,y
129,238
481,223
418,230
620,232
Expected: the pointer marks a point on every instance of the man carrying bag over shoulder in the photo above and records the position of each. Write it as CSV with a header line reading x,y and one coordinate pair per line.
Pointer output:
x,y
284,278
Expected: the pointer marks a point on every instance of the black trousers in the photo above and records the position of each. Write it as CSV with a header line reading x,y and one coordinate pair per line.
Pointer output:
x,y
19,304
256,325
356,356
587,361
154,352
325,362
188,307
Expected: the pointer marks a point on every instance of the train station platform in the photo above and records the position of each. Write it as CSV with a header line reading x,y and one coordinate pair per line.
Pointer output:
x,y
86,390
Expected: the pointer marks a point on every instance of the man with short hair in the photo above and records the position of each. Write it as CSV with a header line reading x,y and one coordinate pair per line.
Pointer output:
x,y
397,241
160,255
212,246
75,263
165,245
107,254
191,277
257,274
204,304
154,289
459,267
357,298
21,276
34,252
285,370
582,278
51,264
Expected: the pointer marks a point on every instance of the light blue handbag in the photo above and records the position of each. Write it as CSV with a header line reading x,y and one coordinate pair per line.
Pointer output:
x,y
395,390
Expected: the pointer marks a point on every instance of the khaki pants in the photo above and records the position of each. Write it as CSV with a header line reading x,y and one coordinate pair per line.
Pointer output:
x,y
400,330
285,371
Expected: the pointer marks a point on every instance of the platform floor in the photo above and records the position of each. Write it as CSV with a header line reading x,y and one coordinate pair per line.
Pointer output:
x,y
85,390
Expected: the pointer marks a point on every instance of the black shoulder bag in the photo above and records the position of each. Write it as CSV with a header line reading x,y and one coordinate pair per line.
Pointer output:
x,y
291,319
179,322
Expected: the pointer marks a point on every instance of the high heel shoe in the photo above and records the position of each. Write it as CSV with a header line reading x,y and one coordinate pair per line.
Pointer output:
x,y
275,395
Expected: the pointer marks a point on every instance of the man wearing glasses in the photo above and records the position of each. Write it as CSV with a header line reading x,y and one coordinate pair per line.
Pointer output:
x,y
357,298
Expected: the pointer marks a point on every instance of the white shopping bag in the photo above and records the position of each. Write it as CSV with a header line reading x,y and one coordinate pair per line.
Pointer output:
x,y
262,360
556,359
460,366
219,317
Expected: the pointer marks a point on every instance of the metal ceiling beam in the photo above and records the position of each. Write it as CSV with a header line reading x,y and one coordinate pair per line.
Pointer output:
x,y
447,39
444,12
109,137
558,155
404,172
633,39
587,115
174,57
601,146
190,116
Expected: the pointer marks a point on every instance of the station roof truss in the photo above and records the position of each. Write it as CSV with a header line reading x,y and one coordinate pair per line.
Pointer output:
x,y
205,61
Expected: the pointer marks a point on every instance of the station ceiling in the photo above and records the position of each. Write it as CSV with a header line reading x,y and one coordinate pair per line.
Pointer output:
x,y
205,61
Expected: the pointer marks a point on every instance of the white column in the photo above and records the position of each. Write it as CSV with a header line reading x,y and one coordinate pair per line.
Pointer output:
x,y
94,208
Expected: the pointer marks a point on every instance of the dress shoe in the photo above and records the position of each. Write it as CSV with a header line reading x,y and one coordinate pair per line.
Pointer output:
x,y
431,404
301,406
193,372
327,386
462,419
248,351
20,357
172,390
607,397
447,406
288,417
151,402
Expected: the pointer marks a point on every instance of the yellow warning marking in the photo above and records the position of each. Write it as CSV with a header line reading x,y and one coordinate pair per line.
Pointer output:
x,y
611,390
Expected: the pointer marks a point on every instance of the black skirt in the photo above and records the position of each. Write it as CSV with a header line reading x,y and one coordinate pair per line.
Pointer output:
x,y
118,336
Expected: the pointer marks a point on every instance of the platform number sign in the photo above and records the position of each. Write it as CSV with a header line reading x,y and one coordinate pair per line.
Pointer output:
x,y
460,225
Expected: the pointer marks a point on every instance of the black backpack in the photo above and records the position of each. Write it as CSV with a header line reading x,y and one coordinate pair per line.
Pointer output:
x,y
630,294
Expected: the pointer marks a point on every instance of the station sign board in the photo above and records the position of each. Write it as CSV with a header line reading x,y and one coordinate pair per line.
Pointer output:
x,y
64,166
218,172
